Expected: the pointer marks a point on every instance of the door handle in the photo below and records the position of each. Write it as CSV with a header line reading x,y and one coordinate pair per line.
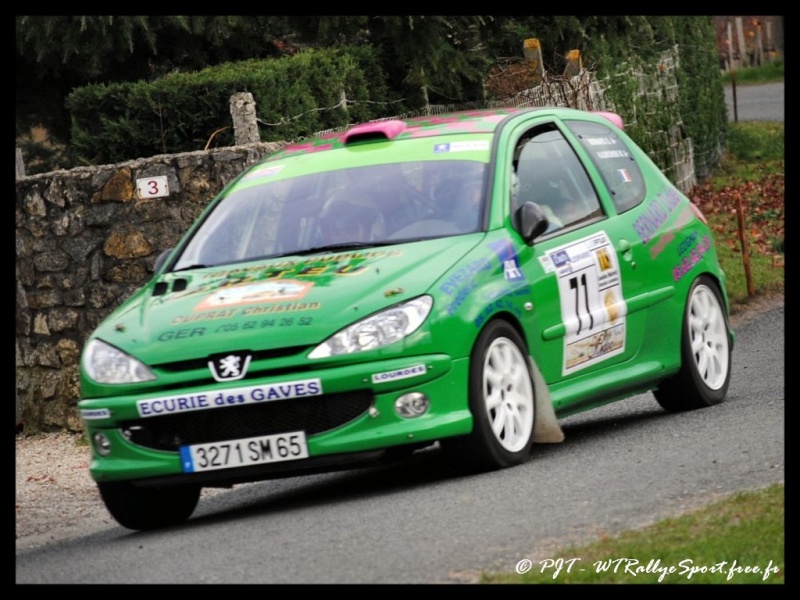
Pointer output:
x,y
626,252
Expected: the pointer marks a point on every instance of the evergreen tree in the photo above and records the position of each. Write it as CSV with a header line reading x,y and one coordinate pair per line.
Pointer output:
x,y
58,53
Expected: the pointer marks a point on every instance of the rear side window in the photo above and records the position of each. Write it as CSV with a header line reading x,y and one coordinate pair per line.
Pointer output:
x,y
612,158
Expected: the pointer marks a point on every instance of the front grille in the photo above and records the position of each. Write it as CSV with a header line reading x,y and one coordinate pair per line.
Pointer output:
x,y
202,363
312,415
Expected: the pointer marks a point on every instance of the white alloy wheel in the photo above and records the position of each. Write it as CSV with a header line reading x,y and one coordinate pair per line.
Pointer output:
x,y
706,345
708,337
508,394
502,401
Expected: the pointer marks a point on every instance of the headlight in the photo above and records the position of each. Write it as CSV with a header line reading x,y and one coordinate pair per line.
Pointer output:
x,y
106,364
381,329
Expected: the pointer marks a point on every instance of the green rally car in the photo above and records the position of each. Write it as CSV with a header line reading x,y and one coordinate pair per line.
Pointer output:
x,y
465,279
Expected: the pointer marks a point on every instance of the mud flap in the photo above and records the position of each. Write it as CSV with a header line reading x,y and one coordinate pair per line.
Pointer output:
x,y
546,429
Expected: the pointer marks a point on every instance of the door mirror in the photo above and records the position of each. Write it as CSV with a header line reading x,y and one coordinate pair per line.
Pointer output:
x,y
530,221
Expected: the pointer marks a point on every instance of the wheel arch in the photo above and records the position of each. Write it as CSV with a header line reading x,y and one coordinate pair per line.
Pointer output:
x,y
546,429
706,348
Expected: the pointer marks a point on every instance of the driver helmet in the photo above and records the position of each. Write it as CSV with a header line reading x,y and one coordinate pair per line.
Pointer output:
x,y
344,220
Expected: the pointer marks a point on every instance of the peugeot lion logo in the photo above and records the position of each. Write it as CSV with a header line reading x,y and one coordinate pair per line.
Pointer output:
x,y
230,367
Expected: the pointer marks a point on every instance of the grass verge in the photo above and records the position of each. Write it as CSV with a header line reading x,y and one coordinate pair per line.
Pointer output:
x,y
739,540
769,73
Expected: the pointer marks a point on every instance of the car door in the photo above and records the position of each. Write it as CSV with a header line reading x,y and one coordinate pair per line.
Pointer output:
x,y
581,270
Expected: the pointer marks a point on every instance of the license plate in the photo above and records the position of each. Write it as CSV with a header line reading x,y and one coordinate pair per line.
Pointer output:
x,y
244,452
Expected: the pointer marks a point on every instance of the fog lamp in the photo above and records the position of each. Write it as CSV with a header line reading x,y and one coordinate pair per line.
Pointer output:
x,y
102,444
413,404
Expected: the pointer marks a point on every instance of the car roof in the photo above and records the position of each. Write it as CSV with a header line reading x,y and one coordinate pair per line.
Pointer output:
x,y
475,121
468,121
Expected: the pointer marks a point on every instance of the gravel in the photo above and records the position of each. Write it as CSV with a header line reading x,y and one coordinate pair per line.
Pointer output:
x,y
57,499
55,495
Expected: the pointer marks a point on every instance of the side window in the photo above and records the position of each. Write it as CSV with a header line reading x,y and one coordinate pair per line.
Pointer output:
x,y
612,158
549,173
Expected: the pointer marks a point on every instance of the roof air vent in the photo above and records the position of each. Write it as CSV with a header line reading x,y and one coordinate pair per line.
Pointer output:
x,y
379,130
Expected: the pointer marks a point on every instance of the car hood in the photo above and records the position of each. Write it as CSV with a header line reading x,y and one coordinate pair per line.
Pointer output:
x,y
273,304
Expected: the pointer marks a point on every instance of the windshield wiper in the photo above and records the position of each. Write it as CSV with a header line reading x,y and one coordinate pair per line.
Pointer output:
x,y
339,246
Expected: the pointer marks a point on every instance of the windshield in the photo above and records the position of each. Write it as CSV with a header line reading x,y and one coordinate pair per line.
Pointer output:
x,y
361,206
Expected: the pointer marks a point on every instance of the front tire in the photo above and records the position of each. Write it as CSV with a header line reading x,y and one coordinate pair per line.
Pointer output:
x,y
145,508
705,372
501,399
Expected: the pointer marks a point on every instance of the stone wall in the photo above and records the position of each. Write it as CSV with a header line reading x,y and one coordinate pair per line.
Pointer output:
x,y
86,240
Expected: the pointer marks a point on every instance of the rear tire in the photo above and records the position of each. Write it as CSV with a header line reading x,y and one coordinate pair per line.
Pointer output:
x,y
145,508
705,353
501,399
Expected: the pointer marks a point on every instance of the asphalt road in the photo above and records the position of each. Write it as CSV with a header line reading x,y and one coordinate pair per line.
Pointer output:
x,y
622,466
762,102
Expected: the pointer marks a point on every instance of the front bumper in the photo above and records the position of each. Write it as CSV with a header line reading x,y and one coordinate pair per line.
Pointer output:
x,y
350,424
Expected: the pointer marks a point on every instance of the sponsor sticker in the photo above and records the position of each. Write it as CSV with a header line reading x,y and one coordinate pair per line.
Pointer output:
x,y
461,146
95,413
593,308
398,374
255,292
253,394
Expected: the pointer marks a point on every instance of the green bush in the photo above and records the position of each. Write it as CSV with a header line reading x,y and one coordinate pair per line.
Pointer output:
x,y
295,96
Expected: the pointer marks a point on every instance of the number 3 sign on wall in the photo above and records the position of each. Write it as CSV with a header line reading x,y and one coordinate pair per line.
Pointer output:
x,y
152,187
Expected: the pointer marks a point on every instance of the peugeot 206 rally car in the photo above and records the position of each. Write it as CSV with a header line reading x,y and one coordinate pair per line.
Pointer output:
x,y
466,279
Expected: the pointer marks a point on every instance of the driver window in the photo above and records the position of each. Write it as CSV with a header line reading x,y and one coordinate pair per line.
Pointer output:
x,y
550,174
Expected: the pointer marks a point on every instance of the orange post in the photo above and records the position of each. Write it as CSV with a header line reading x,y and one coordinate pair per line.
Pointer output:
x,y
751,290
